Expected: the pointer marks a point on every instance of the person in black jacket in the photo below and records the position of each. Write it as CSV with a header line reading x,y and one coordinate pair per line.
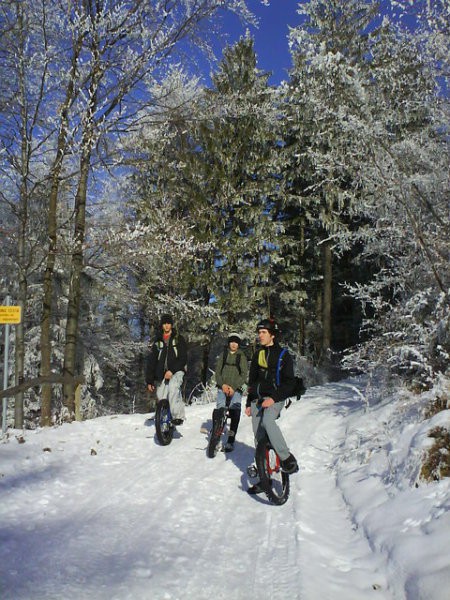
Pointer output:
x,y
271,382
165,368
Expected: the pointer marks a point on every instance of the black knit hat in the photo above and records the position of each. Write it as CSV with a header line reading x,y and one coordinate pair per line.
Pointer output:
x,y
166,319
235,337
268,324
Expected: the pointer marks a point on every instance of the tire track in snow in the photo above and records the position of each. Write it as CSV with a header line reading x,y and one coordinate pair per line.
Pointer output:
x,y
277,575
219,525
329,540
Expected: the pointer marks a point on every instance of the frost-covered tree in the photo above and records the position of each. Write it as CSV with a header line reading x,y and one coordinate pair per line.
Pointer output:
x,y
405,183
235,159
27,62
95,64
322,107
211,166
216,170
124,48
166,250
375,148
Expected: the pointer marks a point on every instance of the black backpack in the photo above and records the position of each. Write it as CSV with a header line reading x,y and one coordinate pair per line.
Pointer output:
x,y
299,388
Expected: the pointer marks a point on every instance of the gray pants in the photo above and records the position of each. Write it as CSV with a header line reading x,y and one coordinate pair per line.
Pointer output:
x,y
264,420
172,391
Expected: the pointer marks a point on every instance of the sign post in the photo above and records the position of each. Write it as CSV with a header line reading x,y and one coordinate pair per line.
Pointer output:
x,y
8,315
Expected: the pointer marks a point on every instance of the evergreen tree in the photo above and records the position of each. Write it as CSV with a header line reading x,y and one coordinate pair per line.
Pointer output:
x,y
367,119
322,105
236,162
404,183
214,168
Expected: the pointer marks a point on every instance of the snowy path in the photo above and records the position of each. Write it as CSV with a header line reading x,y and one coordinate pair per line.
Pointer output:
x,y
344,564
106,513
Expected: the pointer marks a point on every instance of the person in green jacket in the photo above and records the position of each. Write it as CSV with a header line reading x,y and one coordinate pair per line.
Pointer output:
x,y
231,375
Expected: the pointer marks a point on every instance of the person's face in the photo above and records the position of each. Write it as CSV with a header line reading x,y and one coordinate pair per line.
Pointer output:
x,y
233,346
265,337
167,327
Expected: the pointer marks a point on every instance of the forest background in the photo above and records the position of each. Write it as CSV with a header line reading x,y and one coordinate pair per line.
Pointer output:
x,y
131,188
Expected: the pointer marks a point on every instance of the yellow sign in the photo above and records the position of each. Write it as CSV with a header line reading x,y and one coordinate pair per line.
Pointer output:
x,y
10,315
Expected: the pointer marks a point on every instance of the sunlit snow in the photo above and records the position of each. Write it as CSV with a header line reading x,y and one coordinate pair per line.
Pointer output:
x,y
98,510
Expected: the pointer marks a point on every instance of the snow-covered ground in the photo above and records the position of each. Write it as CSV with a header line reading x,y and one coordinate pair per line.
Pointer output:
x,y
98,510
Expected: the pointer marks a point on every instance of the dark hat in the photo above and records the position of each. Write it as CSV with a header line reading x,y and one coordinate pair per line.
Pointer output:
x,y
268,324
166,319
235,337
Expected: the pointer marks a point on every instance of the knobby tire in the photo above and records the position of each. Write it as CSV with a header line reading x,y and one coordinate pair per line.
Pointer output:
x,y
213,445
274,481
163,422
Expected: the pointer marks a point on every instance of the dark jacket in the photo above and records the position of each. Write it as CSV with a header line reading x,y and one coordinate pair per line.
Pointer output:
x,y
262,379
171,356
232,369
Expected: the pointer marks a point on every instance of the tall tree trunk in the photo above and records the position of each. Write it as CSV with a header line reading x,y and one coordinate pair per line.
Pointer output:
x,y
19,348
47,302
76,267
301,319
74,303
327,296
206,348
319,317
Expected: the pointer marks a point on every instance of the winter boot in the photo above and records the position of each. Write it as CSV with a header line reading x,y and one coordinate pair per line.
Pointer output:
x,y
289,465
229,446
255,489
252,471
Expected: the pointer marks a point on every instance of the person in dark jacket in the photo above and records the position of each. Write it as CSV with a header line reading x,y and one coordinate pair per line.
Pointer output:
x,y
166,366
231,376
267,393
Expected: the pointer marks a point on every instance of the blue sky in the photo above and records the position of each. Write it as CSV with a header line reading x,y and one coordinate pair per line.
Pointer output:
x,y
271,44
